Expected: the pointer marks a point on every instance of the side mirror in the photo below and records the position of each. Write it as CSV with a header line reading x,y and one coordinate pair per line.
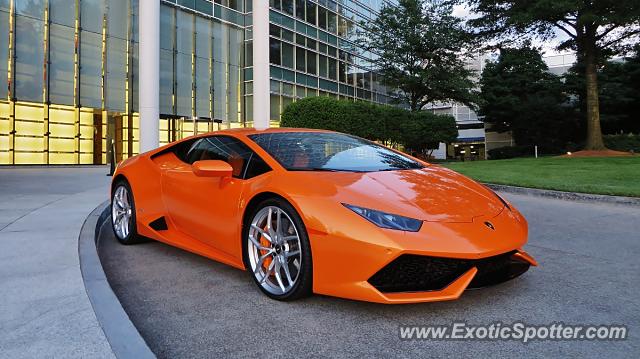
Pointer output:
x,y
212,168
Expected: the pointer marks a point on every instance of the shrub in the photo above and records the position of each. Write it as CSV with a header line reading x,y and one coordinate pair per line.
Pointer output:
x,y
417,131
624,142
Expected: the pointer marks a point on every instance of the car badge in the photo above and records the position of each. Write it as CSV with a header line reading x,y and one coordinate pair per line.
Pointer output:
x,y
490,225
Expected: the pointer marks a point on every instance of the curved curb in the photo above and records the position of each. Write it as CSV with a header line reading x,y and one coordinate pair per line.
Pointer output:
x,y
122,335
567,196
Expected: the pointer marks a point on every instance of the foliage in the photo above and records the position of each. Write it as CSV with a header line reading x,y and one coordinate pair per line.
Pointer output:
x,y
595,29
619,93
520,95
417,131
421,48
625,142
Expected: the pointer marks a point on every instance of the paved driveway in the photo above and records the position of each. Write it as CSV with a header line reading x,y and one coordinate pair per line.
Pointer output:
x,y
187,306
44,308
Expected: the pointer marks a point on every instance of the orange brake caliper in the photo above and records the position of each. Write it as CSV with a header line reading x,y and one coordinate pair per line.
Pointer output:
x,y
265,243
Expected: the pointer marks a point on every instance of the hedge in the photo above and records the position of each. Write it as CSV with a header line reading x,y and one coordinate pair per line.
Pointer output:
x,y
417,131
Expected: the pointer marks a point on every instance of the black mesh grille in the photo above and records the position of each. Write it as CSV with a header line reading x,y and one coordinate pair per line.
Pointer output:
x,y
413,273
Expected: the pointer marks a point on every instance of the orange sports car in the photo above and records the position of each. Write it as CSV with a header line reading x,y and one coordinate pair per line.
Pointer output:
x,y
313,211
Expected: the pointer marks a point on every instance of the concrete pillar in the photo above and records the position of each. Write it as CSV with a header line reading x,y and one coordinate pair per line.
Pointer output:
x,y
149,65
261,106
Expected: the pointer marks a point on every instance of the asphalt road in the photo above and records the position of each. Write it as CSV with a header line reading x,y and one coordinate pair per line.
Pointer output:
x,y
188,306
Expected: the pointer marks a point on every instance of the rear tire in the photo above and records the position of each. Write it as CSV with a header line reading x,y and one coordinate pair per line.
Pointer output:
x,y
123,214
277,252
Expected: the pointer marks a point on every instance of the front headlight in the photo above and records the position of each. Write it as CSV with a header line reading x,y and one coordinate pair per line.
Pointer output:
x,y
387,220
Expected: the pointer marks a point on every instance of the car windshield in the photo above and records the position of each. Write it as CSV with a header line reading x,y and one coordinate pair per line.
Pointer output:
x,y
324,151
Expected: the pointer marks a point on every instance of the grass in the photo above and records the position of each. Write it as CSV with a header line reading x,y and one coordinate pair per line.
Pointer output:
x,y
611,175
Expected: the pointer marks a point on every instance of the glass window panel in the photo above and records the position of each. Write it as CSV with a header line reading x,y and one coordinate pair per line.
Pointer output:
x,y
300,6
333,69
234,93
275,107
91,69
61,70
117,18
166,81
220,42
311,62
91,13
63,12
248,53
287,55
184,84
116,66
322,66
203,87
311,12
220,91
300,59
203,37
287,89
332,25
4,51
167,27
184,33
134,84
235,45
287,6
5,5
32,8
274,51
29,58
322,17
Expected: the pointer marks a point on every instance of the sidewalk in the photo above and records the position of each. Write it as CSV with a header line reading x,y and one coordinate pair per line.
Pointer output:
x,y
45,311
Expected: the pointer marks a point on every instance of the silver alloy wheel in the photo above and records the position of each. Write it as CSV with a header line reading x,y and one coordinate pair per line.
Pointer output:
x,y
121,212
274,249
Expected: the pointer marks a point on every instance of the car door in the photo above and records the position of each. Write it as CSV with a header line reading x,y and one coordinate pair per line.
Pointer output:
x,y
207,208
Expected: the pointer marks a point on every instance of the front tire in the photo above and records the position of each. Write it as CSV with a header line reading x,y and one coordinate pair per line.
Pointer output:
x,y
123,214
277,251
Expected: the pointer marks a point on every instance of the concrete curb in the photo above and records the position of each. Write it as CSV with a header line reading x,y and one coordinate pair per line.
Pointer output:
x,y
122,335
567,196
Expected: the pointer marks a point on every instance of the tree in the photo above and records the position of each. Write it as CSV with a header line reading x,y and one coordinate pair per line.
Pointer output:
x,y
423,132
421,48
596,30
619,90
519,94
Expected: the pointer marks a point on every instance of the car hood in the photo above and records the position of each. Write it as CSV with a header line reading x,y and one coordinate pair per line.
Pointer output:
x,y
433,193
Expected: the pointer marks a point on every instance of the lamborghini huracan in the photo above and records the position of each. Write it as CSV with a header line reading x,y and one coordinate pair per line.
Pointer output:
x,y
314,211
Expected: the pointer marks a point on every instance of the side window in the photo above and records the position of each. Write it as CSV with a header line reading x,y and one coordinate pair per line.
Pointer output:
x,y
245,163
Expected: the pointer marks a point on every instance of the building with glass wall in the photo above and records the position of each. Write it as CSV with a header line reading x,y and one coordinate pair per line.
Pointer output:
x,y
72,66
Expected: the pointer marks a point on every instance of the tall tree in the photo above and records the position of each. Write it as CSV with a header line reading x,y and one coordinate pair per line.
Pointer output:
x,y
421,48
596,29
619,87
520,95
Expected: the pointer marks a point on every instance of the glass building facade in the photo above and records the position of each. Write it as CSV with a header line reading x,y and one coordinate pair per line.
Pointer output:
x,y
71,70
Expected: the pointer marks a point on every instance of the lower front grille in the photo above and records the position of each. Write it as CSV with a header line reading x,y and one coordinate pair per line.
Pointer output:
x,y
414,273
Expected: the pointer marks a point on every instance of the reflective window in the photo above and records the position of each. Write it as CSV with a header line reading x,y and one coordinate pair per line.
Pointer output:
x,y
244,162
4,50
61,70
63,12
91,69
91,14
29,58
116,74
323,151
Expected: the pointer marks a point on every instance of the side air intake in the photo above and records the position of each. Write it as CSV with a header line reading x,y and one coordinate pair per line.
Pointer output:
x,y
159,224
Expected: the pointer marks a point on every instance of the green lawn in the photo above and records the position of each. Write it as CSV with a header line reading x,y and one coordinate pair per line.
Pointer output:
x,y
613,175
